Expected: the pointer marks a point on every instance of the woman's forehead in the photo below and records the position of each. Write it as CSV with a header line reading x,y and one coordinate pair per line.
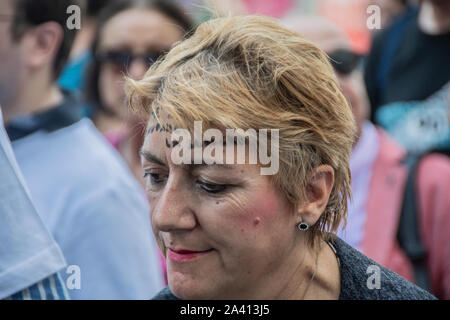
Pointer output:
x,y
159,120
137,28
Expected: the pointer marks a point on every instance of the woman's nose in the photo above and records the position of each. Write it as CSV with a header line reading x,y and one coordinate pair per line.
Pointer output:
x,y
137,68
172,211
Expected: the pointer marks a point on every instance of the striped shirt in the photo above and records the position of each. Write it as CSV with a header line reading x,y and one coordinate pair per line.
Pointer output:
x,y
51,288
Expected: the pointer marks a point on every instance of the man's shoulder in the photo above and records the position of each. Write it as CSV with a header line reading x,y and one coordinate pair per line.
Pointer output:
x,y
97,165
364,279
92,146
79,154
78,147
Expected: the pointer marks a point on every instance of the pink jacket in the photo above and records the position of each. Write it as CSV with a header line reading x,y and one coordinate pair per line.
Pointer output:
x,y
383,213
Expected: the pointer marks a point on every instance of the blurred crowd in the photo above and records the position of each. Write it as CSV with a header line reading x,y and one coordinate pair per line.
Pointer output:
x,y
72,191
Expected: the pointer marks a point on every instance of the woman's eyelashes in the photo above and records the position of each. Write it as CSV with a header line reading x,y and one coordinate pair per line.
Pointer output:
x,y
156,180
212,188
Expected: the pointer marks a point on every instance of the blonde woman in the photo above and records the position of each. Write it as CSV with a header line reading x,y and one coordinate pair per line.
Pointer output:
x,y
228,231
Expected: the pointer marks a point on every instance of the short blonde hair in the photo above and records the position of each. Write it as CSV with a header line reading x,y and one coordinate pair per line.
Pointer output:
x,y
249,72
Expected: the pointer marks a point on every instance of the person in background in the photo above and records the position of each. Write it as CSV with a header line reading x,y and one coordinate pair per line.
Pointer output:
x,y
73,74
389,10
408,61
379,176
130,36
84,192
29,257
421,127
351,16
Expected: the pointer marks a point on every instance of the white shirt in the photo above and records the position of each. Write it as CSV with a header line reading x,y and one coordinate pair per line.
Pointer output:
x,y
95,209
28,252
361,166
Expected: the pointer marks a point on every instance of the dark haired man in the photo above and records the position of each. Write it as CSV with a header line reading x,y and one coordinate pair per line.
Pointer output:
x,y
83,191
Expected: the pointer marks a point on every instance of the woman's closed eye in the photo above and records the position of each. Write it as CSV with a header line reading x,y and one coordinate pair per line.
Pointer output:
x,y
213,188
154,178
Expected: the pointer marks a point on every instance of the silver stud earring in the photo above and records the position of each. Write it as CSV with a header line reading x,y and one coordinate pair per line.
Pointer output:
x,y
303,226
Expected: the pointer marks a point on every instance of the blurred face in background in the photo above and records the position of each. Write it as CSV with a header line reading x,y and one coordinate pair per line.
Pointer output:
x,y
348,68
346,63
129,42
11,56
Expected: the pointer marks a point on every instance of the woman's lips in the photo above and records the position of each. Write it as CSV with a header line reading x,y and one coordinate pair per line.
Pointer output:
x,y
185,255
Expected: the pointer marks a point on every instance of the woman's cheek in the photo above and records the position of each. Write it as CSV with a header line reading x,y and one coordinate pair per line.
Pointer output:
x,y
268,211
252,213
111,90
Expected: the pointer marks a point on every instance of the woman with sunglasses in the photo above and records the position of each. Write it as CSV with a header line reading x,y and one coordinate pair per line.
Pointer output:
x,y
130,36
382,205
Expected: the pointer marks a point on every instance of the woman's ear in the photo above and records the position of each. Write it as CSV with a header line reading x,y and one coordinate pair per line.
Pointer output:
x,y
318,192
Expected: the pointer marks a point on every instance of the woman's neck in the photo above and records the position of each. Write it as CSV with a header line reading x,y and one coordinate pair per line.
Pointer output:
x,y
316,274
327,282
106,122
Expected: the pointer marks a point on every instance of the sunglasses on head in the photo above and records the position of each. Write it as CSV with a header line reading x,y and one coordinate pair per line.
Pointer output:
x,y
344,61
123,59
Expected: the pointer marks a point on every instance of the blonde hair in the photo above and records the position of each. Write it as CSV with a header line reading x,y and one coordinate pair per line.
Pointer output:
x,y
249,72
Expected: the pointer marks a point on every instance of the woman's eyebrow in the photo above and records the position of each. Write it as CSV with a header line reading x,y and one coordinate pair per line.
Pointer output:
x,y
151,157
205,165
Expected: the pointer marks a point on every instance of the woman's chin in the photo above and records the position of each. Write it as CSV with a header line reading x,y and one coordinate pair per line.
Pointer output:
x,y
188,293
190,289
